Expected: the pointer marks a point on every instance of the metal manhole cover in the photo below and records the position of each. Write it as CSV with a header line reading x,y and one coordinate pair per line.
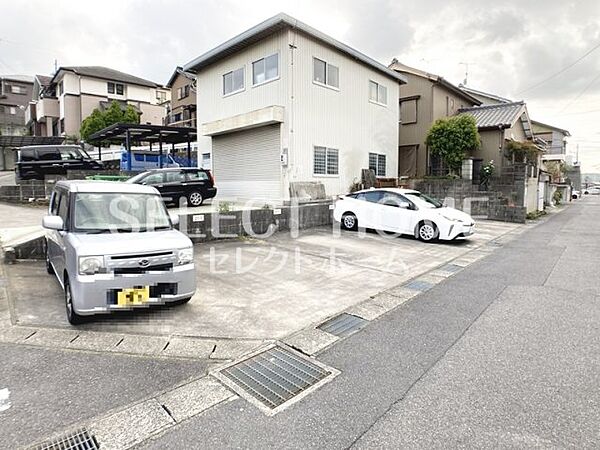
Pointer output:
x,y
78,440
419,285
451,268
343,325
275,377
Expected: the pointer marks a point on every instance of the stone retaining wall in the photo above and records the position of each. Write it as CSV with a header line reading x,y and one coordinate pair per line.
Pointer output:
x,y
503,200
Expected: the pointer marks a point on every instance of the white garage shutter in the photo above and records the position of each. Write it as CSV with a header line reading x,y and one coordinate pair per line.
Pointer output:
x,y
247,165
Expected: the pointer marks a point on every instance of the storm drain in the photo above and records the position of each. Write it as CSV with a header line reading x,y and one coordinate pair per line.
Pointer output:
x,y
419,285
452,268
274,377
343,325
78,440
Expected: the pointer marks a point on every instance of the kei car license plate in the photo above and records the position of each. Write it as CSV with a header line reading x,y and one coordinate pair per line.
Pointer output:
x,y
133,296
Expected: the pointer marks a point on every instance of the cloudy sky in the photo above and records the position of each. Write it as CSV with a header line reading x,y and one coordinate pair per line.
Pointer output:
x,y
546,52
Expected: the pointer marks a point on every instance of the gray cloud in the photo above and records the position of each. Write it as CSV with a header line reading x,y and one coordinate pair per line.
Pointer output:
x,y
513,44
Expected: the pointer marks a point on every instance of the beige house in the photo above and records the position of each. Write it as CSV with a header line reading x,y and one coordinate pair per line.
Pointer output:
x,y
423,99
182,108
498,125
59,105
287,111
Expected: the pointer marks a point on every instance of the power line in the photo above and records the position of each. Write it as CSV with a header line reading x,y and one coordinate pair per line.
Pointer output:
x,y
581,93
564,69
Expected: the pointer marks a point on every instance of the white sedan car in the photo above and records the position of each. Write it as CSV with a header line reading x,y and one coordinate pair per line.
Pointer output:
x,y
402,211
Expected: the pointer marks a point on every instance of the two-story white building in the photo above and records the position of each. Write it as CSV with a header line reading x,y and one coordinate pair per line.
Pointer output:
x,y
60,104
287,109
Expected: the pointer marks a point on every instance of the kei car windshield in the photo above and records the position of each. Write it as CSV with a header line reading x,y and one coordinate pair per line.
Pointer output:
x,y
119,212
424,200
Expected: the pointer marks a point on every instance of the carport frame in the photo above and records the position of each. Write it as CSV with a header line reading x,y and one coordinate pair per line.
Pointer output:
x,y
128,133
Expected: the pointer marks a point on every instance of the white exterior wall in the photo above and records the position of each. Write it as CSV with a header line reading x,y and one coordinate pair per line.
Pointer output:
x,y
70,83
343,119
210,86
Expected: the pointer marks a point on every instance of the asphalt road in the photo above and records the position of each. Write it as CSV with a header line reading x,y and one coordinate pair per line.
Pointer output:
x,y
503,354
55,389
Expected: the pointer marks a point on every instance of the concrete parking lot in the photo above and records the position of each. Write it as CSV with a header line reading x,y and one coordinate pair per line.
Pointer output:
x,y
260,289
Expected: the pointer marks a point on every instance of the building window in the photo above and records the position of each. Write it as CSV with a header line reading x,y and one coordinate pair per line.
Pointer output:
x,y
183,92
377,93
265,69
324,73
326,161
161,96
233,81
60,89
377,163
408,111
115,88
62,126
12,110
17,89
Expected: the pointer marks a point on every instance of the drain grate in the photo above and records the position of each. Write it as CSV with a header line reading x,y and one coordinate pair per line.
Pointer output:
x,y
452,268
343,325
419,285
274,377
78,440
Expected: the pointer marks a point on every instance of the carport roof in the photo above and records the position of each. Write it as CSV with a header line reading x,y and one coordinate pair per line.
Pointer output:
x,y
117,133
22,141
276,23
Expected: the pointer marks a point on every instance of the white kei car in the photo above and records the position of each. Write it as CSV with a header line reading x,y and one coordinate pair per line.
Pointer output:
x,y
402,211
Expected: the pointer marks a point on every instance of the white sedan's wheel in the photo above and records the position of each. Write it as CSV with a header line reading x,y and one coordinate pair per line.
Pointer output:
x,y
349,221
427,231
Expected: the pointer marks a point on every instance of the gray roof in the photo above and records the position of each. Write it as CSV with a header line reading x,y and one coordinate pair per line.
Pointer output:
x,y
403,68
43,80
267,28
494,97
495,116
106,74
20,78
545,125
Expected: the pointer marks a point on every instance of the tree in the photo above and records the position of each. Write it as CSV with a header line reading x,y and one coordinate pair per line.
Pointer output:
x,y
450,138
94,122
99,120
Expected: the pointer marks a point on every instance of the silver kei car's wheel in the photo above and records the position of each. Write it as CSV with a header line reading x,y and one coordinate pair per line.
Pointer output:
x,y
427,232
72,316
349,221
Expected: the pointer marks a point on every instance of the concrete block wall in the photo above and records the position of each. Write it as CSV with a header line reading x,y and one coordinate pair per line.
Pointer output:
x,y
207,227
24,192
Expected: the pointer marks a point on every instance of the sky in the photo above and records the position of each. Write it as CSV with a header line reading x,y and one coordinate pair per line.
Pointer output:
x,y
546,52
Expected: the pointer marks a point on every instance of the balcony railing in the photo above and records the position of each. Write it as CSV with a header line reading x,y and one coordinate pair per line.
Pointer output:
x,y
191,123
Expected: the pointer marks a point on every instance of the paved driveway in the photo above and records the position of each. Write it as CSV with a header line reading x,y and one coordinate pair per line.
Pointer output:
x,y
260,289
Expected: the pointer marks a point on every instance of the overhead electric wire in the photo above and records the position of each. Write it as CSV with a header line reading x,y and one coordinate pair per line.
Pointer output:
x,y
564,69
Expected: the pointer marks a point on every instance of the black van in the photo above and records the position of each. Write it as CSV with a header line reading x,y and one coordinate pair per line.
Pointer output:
x,y
36,161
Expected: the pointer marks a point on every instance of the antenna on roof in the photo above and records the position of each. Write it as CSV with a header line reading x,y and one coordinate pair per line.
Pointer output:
x,y
55,66
466,64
